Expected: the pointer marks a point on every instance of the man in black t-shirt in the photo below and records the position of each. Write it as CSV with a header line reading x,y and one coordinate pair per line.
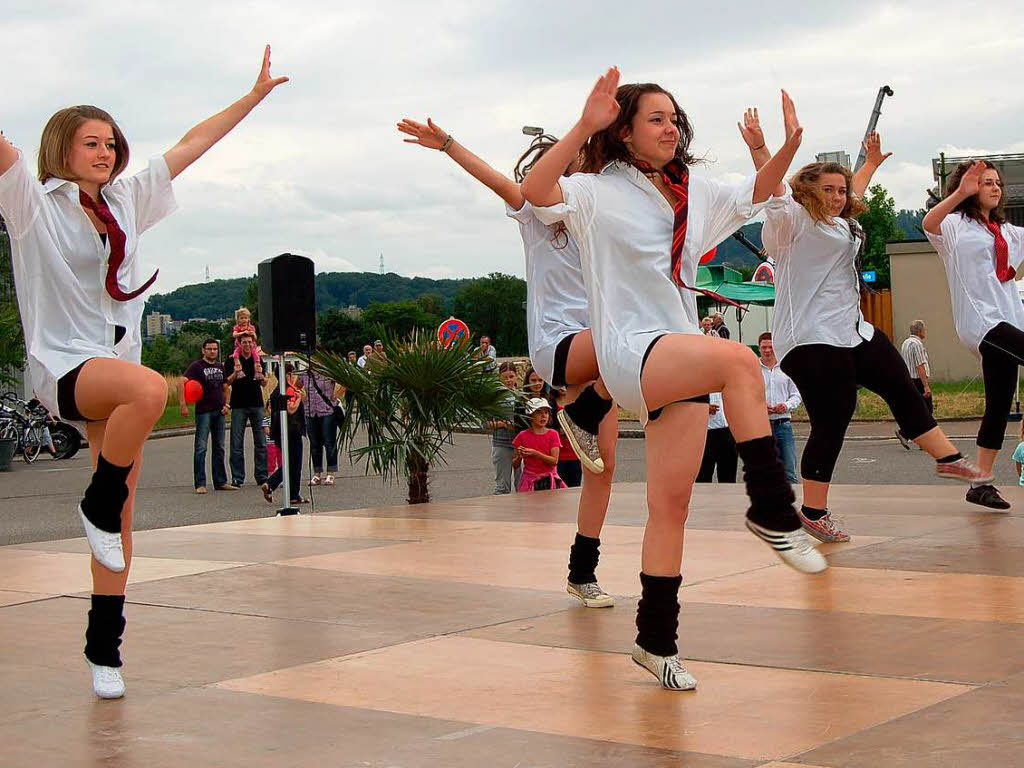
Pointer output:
x,y
247,409
292,403
210,412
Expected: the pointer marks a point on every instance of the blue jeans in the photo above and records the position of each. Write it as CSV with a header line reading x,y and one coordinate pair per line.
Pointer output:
x,y
240,418
782,431
323,436
209,425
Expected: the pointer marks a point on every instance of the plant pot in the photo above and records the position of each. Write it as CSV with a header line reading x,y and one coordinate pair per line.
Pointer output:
x,y
7,448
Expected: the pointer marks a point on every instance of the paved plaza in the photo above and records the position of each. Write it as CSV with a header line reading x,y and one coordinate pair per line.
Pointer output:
x,y
441,635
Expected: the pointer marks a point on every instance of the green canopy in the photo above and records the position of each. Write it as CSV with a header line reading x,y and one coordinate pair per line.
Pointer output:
x,y
729,283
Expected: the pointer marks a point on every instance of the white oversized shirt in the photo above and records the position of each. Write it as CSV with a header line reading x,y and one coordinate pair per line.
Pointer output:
x,y
60,267
556,298
623,226
779,389
980,301
717,420
817,288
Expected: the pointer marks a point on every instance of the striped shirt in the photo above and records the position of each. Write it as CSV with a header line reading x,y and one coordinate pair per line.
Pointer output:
x,y
914,354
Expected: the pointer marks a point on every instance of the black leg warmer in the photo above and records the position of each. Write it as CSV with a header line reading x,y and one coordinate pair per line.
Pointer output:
x,y
771,497
106,625
106,495
583,559
657,614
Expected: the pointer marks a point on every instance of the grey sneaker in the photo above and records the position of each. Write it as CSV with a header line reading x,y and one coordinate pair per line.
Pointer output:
x,y
668,669
590,594
964,470
584,443
824,529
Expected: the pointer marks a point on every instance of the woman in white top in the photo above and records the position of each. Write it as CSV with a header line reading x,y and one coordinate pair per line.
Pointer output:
x,y
642,224
561,344
820,336
982,254
74,233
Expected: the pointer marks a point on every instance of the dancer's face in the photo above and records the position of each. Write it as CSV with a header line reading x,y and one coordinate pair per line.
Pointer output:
x,y
652,135
990,190
833,188
93,152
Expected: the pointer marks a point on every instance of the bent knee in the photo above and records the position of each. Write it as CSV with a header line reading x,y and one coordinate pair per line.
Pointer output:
x,y
152,393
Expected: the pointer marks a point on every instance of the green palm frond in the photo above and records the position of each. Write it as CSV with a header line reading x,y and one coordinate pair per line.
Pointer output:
x,y
412,402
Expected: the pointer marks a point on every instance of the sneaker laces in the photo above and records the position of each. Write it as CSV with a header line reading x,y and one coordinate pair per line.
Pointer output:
x,y
591,589
675,665
802,544
108,674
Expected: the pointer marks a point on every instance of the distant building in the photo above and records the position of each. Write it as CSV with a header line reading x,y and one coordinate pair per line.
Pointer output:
x,y
352,311
843,158
1012,168
157,324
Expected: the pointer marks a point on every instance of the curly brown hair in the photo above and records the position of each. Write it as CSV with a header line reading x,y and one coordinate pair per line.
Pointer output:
x,y
608,145
537,149
806,184
970,207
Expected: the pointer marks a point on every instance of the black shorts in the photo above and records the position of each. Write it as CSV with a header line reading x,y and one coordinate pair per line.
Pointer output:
x,y
653,415
561,360
66,404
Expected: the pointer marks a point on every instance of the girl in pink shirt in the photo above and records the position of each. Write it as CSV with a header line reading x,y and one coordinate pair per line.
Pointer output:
x,y
537,450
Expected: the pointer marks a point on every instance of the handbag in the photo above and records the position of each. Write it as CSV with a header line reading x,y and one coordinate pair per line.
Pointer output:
x,y
339,412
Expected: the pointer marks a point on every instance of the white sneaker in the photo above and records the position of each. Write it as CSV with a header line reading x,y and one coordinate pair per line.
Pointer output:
x,y
794,548
668,669
106,681
590,594
106,547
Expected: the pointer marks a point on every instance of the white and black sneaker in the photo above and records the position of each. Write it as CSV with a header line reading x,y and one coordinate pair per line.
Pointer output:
x,y
582,442
106,547
794,548
668,669
590,594
107,682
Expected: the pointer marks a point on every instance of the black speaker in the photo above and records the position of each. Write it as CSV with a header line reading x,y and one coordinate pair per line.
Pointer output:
x,y
287,304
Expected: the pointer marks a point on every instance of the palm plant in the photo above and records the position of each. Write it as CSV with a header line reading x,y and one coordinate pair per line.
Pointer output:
x,y
411,402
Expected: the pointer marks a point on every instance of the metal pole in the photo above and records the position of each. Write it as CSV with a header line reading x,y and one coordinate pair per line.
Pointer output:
x,y
884,91
282,387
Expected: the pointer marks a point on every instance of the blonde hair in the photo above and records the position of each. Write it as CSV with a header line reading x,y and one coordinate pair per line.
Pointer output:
x,y
806,185
239,311
55,143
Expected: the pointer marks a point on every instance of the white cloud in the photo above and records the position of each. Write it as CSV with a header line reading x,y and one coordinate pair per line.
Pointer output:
x,y
320,169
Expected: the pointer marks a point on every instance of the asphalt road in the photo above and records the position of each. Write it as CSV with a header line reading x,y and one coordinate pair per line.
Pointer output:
x,y
38,501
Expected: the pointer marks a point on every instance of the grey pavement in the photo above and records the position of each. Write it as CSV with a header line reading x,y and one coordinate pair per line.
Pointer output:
x,y
38,501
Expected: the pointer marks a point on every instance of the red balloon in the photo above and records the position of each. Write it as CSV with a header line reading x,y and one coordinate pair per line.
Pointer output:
x,y
193,391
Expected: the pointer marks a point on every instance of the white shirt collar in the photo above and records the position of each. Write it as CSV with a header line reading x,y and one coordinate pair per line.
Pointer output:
x,y
53,183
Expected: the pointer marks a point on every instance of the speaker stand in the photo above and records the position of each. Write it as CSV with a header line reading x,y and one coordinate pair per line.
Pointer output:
x,y
286,474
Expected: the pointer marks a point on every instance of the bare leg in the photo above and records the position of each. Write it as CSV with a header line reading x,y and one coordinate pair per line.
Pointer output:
x,y
987,458
938,446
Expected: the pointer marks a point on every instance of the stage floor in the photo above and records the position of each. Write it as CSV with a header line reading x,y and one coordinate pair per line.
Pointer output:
x,y
441,635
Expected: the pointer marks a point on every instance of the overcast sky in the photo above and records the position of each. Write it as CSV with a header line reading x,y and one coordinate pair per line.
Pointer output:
x,y
319,168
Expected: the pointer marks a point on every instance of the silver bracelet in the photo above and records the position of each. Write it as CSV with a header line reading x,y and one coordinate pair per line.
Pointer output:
x,y
447,143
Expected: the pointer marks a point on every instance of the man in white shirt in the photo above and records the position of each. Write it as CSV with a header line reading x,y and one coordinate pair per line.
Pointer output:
x,y
486,350
719,447
782,398
915,356
367,351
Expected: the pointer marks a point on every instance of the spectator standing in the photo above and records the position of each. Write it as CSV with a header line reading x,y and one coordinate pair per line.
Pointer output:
x,y
292,403
707,326
353,358
502,433
915,356
211,411
1018,457
487,350
321,425
719,447
782,398
378,350
247,406
537,449
719,326
367,353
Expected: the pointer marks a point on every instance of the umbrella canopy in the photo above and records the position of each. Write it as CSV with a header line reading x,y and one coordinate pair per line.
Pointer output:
x,y
729,283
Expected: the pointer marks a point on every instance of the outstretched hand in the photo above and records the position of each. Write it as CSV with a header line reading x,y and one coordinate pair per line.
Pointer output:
x,y
873,150
429,135
794,131
265,83
970,182
750,129
601,108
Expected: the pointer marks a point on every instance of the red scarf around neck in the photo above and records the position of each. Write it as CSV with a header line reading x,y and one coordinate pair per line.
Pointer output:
x,y
1004,271
117,240
677,178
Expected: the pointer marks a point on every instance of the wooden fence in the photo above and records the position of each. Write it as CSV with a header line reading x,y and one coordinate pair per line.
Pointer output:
x,y
877,309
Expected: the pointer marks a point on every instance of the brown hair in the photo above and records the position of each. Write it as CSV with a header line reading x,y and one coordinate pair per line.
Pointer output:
x,y
608,145
806,185
766,335
55,143
970,207
537,149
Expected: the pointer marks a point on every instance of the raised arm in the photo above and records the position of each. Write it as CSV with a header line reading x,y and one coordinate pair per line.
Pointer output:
x,y
873,159
770,175
433,137
541,185
970,183
753,136
203,136
8,154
